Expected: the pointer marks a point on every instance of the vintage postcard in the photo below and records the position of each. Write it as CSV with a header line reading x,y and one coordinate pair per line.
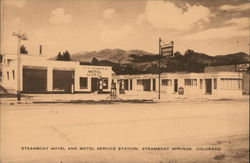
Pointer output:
x,y
124,81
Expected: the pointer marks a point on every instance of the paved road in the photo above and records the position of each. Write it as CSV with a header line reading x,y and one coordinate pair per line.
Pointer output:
x,y
120,125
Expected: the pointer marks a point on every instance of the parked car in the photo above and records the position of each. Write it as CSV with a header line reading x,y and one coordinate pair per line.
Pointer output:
x,y
181,91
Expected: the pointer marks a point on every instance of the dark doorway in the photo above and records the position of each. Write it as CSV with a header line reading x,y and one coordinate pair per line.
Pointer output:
x,y
62,81
126,84
146,84
154,88
175,85
208,86
131,84
34,80
94,84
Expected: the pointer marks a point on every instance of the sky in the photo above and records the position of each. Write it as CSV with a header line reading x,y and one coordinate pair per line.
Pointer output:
x,y
214,27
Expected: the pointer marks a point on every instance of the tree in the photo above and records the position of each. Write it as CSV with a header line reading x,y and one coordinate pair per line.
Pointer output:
x,y
94,60
63,57
189,52
177,53
59,57
23,50
66,56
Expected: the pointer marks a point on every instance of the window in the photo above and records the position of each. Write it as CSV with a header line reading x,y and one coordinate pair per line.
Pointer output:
x,y
8,75
166,82
215,83
190,82
83,83
105,83
13,73
201,82
139,82
231,83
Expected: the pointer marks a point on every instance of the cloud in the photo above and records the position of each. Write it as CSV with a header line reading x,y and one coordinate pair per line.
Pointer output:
x,y
241,7
58,16
10,26
15,22
16,3
166,15
240,23
9,42
111,35
107,14
236,27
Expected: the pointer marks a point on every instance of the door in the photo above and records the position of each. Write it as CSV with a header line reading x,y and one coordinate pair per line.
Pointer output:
x,y
154,85
94,84
131,84
146,84
208,83
175,85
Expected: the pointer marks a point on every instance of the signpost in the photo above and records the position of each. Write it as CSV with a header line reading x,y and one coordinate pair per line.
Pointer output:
x,y
164,50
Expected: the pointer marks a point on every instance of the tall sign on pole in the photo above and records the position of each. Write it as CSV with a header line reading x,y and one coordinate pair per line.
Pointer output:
x,y
166,50
19,38
159,78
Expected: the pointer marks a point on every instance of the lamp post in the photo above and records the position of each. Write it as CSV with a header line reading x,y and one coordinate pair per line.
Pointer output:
x,y
19,38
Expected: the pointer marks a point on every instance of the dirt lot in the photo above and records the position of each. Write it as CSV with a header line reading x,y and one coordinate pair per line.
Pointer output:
x,y
184,131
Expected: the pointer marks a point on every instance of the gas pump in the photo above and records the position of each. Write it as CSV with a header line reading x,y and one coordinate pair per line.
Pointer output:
x,y
113,95
100,85
121,88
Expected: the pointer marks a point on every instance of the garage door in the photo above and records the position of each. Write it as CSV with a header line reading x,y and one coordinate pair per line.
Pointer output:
x,y
34,80
63,80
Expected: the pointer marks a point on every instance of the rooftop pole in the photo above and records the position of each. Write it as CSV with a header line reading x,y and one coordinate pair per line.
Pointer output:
x,y
19,38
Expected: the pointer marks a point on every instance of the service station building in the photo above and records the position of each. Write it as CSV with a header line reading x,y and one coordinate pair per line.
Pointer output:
x,y
40,75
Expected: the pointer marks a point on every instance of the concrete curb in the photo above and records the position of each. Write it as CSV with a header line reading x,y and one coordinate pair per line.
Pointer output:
x,y
12,101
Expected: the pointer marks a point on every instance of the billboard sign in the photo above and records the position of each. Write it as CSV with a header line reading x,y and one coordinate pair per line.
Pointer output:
x,y
167,50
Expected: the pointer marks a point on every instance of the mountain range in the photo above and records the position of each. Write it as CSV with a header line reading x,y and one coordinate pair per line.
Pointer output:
x,y
139,61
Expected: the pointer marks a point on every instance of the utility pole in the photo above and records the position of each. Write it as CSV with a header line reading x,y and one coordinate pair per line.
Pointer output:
x,y
159,77
19,38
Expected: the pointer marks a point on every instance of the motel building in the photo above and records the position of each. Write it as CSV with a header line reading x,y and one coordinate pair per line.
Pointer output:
x,y
40,75
220,84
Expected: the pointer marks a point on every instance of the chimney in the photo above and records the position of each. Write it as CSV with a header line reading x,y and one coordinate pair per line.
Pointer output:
x,y
40,50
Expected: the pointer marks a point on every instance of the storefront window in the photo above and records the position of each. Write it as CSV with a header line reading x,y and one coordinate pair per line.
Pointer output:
x,y
105,83
83,83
